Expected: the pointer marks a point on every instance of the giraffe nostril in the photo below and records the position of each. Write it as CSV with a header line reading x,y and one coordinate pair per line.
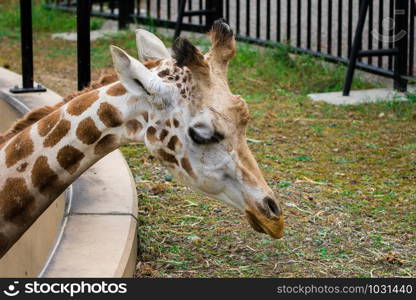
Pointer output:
x,y
271,206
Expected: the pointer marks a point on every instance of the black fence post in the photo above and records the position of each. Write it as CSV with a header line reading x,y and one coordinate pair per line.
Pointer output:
x,y
401,20
83,43
181,11
218,12
26,50
126,9
356,46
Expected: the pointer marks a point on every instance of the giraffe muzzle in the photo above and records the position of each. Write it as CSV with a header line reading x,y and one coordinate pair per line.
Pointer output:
x,y
266,218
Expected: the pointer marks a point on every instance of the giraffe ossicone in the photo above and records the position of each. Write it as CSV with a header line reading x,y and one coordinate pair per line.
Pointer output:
x,y
180,106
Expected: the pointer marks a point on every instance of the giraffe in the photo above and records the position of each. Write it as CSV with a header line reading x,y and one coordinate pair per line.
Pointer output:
x,y
179,106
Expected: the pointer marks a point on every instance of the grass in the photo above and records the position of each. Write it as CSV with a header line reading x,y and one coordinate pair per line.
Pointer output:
x,y
45,20
344,174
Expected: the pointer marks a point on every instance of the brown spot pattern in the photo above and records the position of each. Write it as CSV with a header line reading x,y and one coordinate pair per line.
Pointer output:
x,y
145,116
163,134
133,126
167,157
164,73
186,164
30,118
82,103
41,112
22,167
104,80
87,132
46,124
45,179
19,148
168,124
110,115
152,63
116,90
151,134
107,144
57,134
16,201
69,158
175,123
174,143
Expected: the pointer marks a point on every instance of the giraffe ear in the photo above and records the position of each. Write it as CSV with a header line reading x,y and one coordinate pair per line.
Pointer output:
x,y
150,47
140,81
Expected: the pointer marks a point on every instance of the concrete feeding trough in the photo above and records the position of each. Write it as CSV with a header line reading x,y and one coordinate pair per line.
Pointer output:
x,y
91,229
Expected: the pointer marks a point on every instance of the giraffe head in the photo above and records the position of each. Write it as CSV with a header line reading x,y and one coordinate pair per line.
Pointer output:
x,y
195,125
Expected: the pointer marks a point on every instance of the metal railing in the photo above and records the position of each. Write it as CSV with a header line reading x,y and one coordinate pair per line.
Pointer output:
x,y
156,12
326,28
323,28
82,8
26,50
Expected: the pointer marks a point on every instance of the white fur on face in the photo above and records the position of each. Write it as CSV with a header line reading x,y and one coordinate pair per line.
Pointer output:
x,y
211,168
215,168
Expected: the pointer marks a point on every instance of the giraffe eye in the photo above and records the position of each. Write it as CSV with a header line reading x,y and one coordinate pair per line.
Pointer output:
x,y
201,139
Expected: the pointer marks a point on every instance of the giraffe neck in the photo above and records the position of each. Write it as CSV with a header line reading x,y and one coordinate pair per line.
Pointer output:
x,y
39,163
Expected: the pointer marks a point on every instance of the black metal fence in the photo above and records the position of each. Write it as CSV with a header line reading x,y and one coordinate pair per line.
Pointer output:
x,y
27,50
155,12
83,46
323,28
